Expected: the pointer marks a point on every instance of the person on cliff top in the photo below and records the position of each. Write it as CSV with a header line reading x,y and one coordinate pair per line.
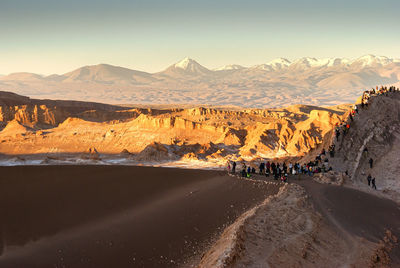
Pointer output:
x,y
298,168
337,131
262,166
244,174
284,167
373,183
268,166
365,151
284,177
332,150
371,162
229,167
234,167
310,170
273,168
369,179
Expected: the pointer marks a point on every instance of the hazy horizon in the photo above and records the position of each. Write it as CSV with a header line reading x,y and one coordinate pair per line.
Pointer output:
x,y
50,37
182,59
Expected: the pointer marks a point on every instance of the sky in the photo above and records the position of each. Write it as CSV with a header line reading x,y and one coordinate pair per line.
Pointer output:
x,y
52,36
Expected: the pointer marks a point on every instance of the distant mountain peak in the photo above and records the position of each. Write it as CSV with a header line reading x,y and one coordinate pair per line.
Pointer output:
x,y
186,63
187,66
280,61
22,76
230,67
370,59
104,73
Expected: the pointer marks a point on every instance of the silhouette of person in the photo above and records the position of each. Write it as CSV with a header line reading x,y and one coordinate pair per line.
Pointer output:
x,y
369,179
373,183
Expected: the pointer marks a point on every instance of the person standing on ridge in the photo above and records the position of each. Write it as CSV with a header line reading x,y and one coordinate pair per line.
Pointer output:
x,y
369,179
233,167
365,151
373,183
371,162
262,166
337,131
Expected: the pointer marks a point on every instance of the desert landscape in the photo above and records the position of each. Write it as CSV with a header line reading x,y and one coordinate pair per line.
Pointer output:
x,y
199,134
207,136
88,154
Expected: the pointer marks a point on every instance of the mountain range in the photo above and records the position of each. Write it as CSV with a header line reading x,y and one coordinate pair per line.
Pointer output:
x,y
277,83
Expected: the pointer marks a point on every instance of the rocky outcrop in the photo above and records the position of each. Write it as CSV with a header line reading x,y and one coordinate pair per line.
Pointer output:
x,y
49,113
374,134
211,134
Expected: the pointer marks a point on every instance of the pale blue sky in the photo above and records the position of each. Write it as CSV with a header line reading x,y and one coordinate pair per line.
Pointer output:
x,y
50,36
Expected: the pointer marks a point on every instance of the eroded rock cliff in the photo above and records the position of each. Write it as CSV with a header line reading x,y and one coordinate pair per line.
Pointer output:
x,y
44,126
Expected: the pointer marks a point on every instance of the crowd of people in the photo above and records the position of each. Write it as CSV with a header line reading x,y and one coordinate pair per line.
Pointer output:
x,y
375,92
280,171
365,101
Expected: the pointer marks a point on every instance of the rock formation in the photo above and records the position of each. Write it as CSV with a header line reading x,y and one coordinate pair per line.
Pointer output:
x,y
209,134
374,134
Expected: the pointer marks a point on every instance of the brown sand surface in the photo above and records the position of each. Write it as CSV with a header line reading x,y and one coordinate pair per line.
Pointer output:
x,y
116,216
358,213
287,232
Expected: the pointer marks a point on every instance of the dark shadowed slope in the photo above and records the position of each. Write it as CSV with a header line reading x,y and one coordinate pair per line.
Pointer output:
x,y
115,216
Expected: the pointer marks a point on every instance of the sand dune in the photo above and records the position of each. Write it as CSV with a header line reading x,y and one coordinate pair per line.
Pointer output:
x,y
112,216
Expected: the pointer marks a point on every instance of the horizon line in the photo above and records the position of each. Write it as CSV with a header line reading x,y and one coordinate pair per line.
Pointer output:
x,y
211,69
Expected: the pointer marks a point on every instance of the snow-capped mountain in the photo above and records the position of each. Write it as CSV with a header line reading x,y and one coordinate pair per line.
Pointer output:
x,y
371,61
274,65
230,67
263,67
307,63
279,63
278,82
187,66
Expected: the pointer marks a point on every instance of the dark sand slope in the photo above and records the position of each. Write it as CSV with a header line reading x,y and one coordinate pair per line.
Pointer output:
x,y
116,216
358,213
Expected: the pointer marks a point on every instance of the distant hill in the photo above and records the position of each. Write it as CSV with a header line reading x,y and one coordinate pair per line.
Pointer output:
x,y
106,73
